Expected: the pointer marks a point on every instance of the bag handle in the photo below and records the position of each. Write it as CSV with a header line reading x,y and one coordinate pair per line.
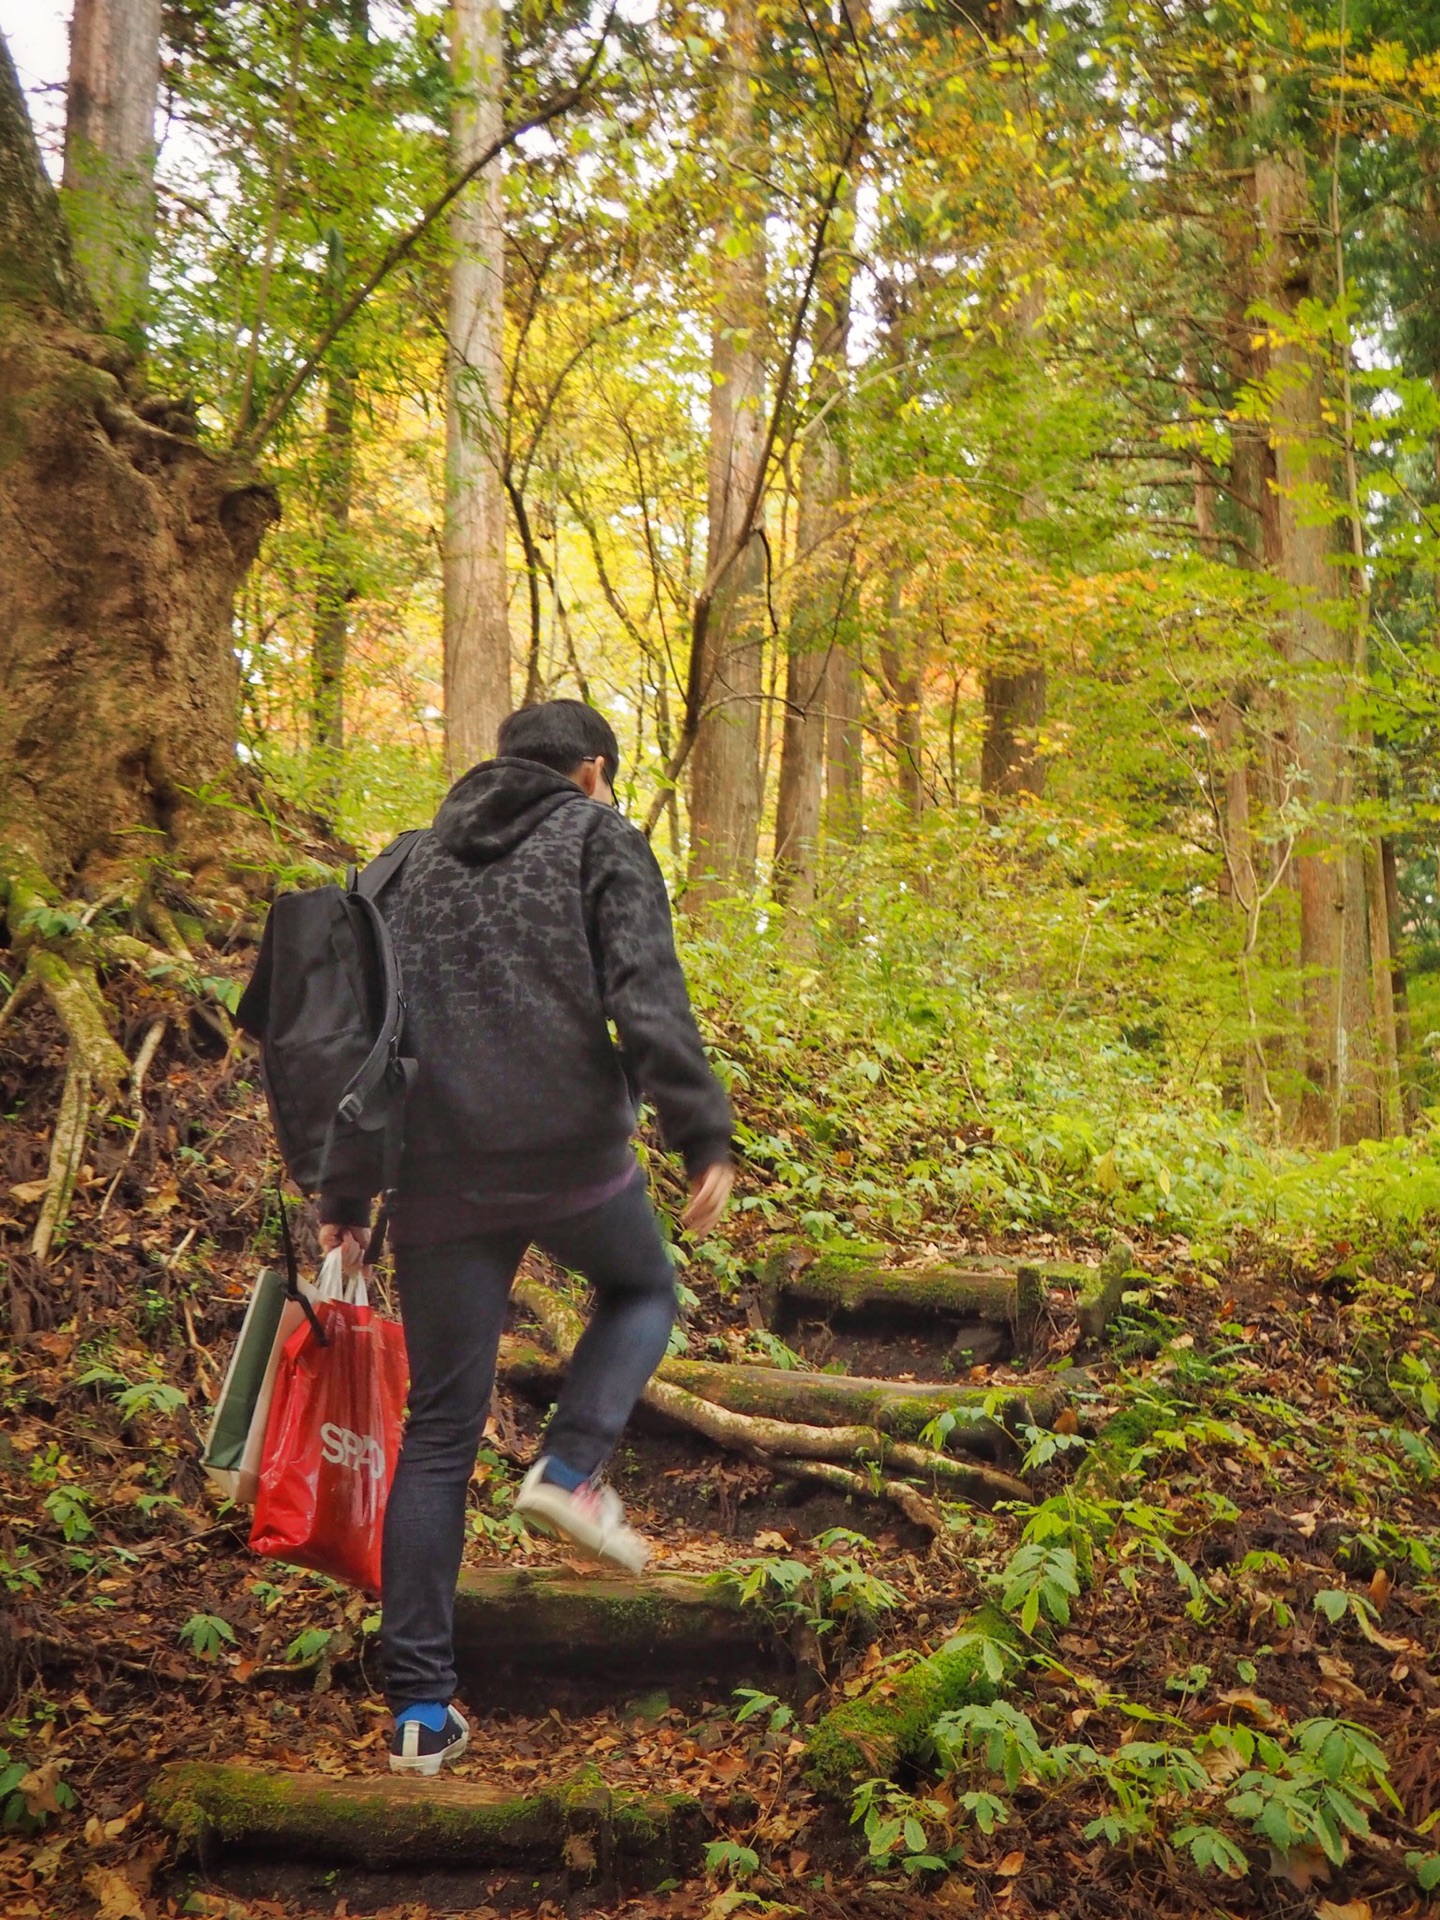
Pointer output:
x,y
292,1272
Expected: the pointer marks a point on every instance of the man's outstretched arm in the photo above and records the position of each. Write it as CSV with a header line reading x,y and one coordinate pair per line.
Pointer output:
x,y
643,988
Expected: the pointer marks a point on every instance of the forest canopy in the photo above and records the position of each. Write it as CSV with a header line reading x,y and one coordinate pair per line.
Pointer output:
x,y
984,461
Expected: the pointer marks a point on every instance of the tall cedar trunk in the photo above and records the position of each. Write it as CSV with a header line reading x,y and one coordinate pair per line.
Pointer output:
x,y
1014,687
817,621
334,570
902,664
477,626
108,187
726,677
1394,914
122,541
1342,1097
844,744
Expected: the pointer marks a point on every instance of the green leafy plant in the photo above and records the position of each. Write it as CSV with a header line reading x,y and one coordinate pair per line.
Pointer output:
x,y
729,1858
206,1635
1318,1794
309,1645
778,1716
69,1508
820,1595
1039,1579
912,1831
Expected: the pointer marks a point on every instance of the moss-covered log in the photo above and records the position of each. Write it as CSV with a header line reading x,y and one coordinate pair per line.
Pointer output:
x,y
857,1282
873,1735
526,1633
898,1408
381,1820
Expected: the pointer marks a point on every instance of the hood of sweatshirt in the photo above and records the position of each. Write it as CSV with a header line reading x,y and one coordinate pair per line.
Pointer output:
x,y
498,804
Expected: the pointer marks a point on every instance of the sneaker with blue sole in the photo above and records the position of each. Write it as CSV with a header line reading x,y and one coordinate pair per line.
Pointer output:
x,y
416,1748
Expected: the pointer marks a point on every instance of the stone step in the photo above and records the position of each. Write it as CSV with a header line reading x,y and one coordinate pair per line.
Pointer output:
x,y
380,1821
524,1634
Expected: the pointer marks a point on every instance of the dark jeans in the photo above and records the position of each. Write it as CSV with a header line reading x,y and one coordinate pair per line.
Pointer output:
x,y
452,1302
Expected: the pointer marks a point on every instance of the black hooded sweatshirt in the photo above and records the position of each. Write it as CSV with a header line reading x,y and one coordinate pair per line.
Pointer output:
x,y
527,920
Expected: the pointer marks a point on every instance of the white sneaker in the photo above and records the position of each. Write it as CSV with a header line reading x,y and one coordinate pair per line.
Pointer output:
x,y
415,1749
591,1518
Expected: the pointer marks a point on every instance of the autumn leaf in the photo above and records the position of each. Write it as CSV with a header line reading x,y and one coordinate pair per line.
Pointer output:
x,y
1348,1910
1012,1864
116,1898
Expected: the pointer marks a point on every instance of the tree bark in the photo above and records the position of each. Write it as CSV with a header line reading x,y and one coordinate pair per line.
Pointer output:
x,y
844,745
1342,1099
108,185
122,541
817,620
476,617
903,665
1014,687
334,584
725,675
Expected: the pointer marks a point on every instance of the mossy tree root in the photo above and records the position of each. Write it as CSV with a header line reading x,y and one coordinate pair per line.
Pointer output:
x,y
773,1440
874,1735
380,1821
67,1145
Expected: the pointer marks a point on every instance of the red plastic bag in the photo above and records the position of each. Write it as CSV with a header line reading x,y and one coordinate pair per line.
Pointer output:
x,y
332,1442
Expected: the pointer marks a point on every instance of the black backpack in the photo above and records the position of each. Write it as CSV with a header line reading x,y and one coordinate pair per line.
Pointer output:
x,y
325,1003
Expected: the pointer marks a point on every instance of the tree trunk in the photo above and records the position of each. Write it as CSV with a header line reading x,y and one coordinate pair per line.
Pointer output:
x,y
844,745
122,541
1399,992
1014,687
817,618
725,677
334,585
903,665
477,626
1342,1099
108,186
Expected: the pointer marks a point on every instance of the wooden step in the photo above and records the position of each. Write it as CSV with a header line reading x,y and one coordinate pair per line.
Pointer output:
x,y
899,1407
526,1634
384,1820
991,1306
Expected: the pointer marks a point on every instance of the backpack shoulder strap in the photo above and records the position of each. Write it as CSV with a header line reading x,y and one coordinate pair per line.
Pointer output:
x,y
376,877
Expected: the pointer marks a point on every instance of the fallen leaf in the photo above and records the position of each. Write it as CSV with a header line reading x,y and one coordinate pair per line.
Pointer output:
x,y
1388,1642
1379,1588
117,1899
164,1200
1240,1700
1350,1910
30,1192
38,1788
1012,1864
1066,1421
1301,1866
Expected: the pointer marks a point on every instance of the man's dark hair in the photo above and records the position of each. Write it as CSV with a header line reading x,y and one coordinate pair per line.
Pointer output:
x,y
560,734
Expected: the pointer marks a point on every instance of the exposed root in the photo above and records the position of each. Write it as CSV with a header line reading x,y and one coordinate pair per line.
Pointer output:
x,y
23,990
74,992
66,1148
919,1511
773,1441
140,1066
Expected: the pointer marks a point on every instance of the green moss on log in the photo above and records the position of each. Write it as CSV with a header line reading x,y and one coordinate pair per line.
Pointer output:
x,y
858,1280
1099,1299
899,1407
871,1736
522,1630
385,1821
